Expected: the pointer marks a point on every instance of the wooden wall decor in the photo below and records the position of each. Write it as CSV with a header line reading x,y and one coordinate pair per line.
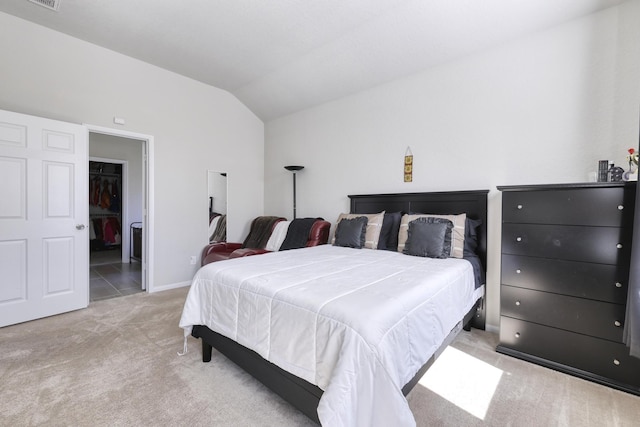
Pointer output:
x,y
408,165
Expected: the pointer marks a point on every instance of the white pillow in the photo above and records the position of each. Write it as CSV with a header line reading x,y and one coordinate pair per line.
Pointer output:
x,y
277,237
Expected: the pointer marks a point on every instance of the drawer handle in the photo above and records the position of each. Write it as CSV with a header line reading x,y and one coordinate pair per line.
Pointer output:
x,y
618,285
519,207
620,207
517,335
619,246
616,362
518,239
617,323
517,302
518,271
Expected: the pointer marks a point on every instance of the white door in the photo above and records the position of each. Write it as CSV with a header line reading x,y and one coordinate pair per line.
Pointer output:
x,y
44,244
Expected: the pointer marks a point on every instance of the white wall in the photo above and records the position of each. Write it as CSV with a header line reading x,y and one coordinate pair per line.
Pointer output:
x,y
195,127
543,109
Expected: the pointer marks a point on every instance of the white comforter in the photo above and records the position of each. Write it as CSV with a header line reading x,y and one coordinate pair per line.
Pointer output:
x,y
357,323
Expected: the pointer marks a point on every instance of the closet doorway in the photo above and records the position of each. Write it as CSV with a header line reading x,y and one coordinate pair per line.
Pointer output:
x,y
116,201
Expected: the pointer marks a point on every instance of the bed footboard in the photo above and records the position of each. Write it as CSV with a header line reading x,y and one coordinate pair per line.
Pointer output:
x,y
200,331
300,393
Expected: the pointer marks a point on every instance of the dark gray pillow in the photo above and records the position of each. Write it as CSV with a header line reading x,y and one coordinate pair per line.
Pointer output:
x,y
429,237
389,232
350,233
471,236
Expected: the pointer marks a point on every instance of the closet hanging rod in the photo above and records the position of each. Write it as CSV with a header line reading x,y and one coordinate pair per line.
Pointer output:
x,y
105,174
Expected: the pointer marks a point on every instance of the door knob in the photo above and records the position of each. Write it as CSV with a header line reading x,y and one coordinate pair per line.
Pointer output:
x,y
80,227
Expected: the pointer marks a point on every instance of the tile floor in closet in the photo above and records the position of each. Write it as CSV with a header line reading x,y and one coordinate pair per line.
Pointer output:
x,y
109,277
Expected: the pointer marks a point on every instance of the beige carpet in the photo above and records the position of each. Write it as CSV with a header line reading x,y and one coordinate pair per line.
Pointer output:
x,y
115,364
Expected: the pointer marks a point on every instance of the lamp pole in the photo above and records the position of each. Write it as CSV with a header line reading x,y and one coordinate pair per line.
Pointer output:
x,y
294,169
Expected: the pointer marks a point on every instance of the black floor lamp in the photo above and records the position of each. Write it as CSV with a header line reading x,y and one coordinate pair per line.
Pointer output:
x,y
294,169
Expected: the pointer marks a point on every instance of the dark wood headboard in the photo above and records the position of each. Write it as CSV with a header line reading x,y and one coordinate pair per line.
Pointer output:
x,y
473,203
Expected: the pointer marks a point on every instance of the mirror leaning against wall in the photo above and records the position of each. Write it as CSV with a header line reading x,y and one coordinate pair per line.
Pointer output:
x,y
217,193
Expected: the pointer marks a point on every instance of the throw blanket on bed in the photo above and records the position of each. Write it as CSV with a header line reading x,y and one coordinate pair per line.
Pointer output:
x,y
358,323
261,229
298,233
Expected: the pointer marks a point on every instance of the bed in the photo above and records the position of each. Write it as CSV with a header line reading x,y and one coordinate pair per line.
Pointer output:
x,y
376,332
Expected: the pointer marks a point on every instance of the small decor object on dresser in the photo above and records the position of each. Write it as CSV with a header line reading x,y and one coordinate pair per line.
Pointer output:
x,y
632,173
615,173
564,278
603,169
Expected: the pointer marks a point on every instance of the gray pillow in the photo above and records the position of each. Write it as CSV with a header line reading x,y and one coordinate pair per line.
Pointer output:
x,y
389,232
350,233
429,237
471,236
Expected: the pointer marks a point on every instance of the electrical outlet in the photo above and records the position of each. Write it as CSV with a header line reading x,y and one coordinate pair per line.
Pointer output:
x,y
193,260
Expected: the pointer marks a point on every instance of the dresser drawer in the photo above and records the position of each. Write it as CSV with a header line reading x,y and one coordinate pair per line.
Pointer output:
x,y
603,282
605,245
582,206
597,356
599,319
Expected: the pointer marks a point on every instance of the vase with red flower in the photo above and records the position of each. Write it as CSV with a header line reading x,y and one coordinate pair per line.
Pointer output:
x,y
632,158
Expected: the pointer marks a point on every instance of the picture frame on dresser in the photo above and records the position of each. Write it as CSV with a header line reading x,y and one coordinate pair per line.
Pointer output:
x,y
565,256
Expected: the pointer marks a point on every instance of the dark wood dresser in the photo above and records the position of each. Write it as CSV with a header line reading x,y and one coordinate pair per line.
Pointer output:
x,y
565,267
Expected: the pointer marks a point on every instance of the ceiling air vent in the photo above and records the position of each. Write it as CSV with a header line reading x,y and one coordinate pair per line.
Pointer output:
x,y
49,4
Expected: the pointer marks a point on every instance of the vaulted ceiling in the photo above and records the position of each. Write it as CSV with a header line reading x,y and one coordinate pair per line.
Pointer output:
x,y
282,56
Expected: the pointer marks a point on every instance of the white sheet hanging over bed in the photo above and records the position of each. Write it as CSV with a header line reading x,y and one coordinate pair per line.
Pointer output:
x,y
358,323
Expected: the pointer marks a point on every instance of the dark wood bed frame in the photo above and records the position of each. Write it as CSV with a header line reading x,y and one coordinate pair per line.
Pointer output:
x,y
304,395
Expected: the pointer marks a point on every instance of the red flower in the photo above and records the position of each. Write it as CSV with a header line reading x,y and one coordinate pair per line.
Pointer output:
x,y
631,150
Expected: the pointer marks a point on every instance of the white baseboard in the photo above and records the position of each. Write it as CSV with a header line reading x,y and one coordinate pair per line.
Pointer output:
x,y
170,286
